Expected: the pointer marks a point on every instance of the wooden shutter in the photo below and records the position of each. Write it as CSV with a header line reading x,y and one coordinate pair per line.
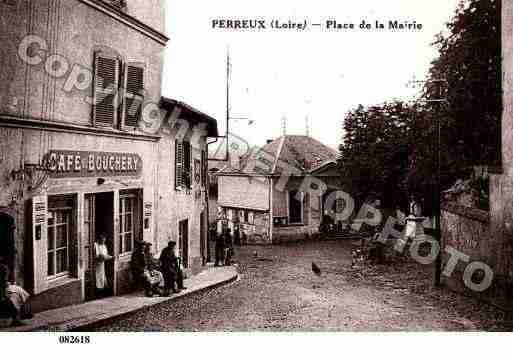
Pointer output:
x,y
106,84
133,94
187,164
39,243
179,155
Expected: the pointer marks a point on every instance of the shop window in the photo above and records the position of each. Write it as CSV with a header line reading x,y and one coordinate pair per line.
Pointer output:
x,y
182,165
127,211
59,241
295,207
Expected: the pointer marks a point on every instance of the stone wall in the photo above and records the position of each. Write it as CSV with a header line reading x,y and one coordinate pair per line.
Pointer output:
x,y
468,230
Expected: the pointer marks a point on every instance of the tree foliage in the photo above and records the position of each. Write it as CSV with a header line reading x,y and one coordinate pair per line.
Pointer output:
x,y
470,62
389,150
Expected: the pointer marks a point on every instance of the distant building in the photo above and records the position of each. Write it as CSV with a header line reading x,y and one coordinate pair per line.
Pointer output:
x,y
277,192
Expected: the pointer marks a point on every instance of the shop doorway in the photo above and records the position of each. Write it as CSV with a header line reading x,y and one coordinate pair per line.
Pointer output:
x,y
183,233
203,239
98,219
7,245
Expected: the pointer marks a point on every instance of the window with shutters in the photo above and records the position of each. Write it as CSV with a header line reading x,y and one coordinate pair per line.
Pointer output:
x,y
133,96
182,165
118,92
106,87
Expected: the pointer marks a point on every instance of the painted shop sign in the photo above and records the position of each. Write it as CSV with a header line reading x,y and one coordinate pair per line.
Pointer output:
x,y
62,164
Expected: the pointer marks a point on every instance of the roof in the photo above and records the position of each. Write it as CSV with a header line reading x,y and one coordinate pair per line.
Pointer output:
x,y
304,153
191,115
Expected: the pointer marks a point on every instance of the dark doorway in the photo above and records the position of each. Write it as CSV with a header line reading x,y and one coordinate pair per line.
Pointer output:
x,y
7,245
183,233
98,219
295,207
203,238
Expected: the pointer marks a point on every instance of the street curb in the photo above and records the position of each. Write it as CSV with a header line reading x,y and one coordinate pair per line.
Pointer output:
x,y
84,327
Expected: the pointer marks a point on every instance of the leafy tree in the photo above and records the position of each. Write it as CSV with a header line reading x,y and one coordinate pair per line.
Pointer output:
x,y
470,62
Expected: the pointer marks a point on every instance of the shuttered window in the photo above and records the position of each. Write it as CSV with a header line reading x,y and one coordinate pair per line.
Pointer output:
x,y
178,164
106,84
187,165
133,94
182,165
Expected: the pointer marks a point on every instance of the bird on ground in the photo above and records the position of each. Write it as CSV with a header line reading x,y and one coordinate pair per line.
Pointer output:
x,y
316,269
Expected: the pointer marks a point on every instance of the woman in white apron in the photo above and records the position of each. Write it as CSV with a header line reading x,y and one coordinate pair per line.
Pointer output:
x,y
101,255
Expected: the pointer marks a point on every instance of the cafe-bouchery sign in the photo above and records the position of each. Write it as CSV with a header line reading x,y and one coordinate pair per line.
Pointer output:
x,y
62,164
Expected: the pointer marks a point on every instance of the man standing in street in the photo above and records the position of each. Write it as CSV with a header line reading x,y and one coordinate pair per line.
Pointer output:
x,y
171,270
219,249
228,245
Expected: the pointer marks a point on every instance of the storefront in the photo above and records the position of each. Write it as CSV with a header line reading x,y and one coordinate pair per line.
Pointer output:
x,y
62,205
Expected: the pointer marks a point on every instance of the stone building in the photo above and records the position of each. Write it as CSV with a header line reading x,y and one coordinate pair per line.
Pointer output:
x,y
277,193
85,147
487,236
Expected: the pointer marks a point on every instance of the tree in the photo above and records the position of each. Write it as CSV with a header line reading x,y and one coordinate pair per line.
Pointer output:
x,y
470,62
375,155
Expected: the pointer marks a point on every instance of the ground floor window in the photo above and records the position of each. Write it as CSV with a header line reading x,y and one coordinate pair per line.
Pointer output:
x,y
60,229
127,211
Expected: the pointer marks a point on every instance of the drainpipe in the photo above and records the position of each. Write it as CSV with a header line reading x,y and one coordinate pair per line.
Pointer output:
x,y
271,222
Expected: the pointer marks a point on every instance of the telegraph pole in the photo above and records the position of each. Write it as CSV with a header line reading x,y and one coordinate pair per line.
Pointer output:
x,y
436,198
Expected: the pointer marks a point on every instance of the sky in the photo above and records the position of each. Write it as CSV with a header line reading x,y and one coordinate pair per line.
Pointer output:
x,y
315,74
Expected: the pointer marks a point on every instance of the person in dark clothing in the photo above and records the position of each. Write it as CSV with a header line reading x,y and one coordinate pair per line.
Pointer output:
x,y
219,250
141,271
228,245
171,271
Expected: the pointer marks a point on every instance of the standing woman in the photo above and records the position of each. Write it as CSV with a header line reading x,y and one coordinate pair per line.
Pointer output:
x,y
101,255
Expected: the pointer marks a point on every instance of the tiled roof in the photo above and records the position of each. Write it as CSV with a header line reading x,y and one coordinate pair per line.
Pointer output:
x,y
302,152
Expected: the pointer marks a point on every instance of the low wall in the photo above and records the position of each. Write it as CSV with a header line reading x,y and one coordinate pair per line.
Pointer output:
x,y
294,233
467,230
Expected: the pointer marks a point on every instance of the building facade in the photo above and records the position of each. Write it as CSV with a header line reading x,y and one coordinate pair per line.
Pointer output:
x,y
81,151
278,193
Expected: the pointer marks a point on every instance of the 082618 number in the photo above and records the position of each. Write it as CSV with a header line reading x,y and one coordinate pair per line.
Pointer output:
x,y
74,339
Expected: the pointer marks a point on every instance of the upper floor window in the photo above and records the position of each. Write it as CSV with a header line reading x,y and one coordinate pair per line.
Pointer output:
x,y
182,164
118,92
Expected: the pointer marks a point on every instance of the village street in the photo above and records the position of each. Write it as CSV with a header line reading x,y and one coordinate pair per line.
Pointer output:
x,y
278,291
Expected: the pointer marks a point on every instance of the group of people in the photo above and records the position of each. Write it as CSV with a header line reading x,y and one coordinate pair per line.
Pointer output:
x,y
224,247
157,276
14,300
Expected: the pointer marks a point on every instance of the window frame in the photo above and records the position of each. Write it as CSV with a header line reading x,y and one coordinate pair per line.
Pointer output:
x,y
183,175
132,197
52,211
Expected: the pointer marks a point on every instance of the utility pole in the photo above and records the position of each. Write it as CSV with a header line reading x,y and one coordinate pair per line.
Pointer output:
x,y
436,195
436,198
